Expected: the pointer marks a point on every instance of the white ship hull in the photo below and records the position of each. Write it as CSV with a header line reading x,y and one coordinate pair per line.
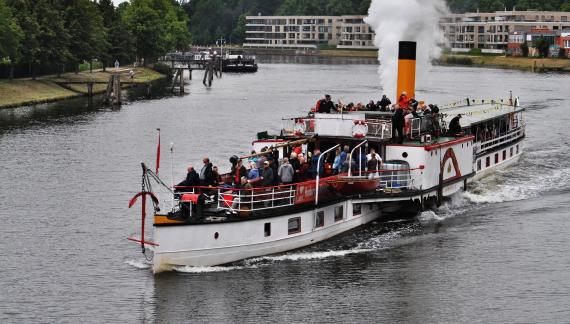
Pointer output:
x,y
197,245
497,160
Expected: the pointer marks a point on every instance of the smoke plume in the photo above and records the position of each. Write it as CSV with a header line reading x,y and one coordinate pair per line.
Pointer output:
x,y
405,20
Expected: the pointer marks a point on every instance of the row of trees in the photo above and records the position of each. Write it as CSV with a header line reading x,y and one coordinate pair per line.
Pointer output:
x,y
46,36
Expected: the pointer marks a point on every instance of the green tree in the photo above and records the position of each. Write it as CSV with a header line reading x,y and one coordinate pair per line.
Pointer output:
x,y
87,33
542,45
524,49
157,27
10,34
53,37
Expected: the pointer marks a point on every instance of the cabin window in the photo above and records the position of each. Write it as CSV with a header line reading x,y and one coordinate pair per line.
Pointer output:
x,y
511,152
504,155
338,213
320,219
517,149
487,161
294,225
267,229
496,158
405,155
356,209
479,165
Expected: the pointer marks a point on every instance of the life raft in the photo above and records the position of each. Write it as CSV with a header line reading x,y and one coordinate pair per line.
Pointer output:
x,y
359,129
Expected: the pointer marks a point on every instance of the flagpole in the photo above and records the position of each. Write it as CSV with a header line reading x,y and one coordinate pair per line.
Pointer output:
x,y
172,171
158,153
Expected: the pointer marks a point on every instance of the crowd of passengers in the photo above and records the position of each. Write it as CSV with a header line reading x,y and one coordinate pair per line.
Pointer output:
x,y
266,169
403,111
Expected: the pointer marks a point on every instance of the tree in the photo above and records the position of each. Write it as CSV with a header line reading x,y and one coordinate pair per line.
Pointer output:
x,y
87,33
53,37
158,26
542,45
524,49
561,52
10,34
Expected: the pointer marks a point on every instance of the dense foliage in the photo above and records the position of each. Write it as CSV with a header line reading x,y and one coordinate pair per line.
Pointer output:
x,y
46,36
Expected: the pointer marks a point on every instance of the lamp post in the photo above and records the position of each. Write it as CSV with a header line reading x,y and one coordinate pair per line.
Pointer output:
x,y
221,43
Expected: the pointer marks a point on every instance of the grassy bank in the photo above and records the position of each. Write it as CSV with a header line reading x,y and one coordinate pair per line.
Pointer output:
x,y
508,62
22,92
349,53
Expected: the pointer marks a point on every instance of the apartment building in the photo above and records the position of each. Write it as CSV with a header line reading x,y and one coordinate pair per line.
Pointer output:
x,y
350,32
490,31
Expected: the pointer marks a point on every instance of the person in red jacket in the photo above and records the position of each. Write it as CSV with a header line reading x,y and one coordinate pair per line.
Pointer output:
x,y
404,101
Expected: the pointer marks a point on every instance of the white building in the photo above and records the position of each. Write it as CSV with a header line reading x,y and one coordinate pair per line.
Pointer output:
x,y
490,31
349,32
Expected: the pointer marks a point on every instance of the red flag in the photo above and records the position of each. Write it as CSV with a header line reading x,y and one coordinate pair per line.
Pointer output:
x,y
158,152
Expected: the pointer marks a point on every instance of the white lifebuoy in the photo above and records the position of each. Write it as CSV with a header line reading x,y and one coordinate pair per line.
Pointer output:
x,y
300,127
359,129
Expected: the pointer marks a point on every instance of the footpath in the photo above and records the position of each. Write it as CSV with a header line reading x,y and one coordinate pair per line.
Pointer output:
x,y
21,92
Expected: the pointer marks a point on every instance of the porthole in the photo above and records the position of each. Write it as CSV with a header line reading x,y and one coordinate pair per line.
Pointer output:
x,y
405,155
216,235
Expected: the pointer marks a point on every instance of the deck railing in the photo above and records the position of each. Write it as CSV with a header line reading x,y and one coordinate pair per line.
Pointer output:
x,y
240,200
507,137
378,128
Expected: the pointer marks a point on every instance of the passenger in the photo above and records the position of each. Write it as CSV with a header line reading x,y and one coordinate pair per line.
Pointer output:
x,y
413,103
217,176
294,160
350,107
253,172
422,106
238,171
359,107
303,172
398,126
286,172
325,106
408,122
344,159
245,195
206,174
314,162
253,158
415,113
404,101
384,103
268,176
298,150
373,165
371,106
192,179
455,126
337,163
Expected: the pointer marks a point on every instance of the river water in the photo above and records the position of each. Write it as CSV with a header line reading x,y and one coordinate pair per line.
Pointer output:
x,y
498,253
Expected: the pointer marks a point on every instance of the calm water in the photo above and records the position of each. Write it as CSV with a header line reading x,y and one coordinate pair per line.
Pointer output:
x,y
498,253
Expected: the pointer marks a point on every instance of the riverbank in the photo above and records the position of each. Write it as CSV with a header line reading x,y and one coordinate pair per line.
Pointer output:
x,y
507,62
21,92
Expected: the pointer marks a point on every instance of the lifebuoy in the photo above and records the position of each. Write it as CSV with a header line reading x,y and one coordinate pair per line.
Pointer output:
x,y
359,129
300,127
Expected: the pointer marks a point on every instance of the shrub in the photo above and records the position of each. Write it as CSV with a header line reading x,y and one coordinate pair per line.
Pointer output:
x,y
562,53
163,69
475,51
524,49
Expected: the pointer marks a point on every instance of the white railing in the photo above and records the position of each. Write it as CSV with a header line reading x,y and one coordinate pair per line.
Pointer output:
x,y
379,128
241,200
415,127
358,161
507,137
388,179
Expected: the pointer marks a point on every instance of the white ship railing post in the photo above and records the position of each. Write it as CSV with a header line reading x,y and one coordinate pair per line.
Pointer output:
x,y
319,173
350,162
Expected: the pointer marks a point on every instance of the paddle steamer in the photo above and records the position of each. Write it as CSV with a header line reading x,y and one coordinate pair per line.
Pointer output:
x,y
207,226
